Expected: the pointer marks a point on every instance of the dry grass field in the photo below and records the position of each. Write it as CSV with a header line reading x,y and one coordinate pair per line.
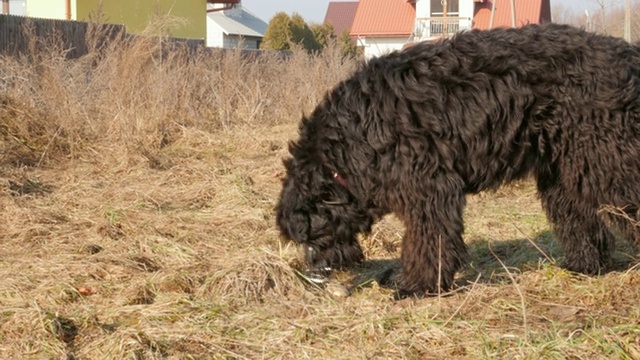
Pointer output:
x,y
137,189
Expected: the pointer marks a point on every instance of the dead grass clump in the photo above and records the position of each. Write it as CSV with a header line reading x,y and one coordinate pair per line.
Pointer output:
x,y
145,294
144,263
244,278
25,187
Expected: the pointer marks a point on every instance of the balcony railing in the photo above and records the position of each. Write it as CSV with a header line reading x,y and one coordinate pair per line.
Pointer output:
x,y
433,27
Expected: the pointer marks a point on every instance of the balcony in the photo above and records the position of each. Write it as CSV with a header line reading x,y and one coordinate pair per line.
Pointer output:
x,y
435,27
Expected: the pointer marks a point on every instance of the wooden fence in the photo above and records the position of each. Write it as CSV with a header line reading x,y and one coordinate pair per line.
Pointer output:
x,y
18,35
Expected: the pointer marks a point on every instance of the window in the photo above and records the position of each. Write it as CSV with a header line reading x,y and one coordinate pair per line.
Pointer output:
x,y
437,8
441,25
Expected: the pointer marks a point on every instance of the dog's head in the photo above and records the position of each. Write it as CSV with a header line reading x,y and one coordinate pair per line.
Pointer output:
x,y
317,210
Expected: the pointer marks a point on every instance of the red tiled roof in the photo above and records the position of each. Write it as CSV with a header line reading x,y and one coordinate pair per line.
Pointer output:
x,y
384,17
397,17
341,15
527,12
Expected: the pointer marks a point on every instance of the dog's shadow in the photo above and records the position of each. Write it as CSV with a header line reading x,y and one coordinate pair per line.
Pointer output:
x,y
490,262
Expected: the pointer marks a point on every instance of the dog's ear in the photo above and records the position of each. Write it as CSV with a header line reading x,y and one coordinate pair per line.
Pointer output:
x,y
294,222
288,165
296,226
292,216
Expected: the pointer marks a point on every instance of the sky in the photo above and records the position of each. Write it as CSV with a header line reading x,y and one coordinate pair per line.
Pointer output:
x,y
313,11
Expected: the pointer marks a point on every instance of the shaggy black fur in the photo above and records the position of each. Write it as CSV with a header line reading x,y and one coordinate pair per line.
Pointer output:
x,y
412,132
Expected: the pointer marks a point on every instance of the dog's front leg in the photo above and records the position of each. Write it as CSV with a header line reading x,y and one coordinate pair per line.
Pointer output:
x,y
432,249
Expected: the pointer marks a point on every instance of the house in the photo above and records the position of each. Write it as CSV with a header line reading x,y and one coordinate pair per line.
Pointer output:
x,y
230,25
340,15
134,14
381,26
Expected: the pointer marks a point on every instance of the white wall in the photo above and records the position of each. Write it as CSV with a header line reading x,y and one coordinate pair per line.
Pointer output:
x,y
423,8
217,38
466,8
48,9
379,46
215,35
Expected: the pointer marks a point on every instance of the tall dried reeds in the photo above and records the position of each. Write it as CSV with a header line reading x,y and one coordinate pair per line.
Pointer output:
x,y
143,91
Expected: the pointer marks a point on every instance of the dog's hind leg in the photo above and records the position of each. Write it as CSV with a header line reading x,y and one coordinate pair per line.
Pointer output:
x,y
626,220
584,236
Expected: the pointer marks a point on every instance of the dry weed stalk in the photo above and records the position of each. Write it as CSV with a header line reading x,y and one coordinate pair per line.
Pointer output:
x,y
619,212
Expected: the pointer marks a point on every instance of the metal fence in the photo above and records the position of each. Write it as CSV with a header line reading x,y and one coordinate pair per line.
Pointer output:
x,y
427,28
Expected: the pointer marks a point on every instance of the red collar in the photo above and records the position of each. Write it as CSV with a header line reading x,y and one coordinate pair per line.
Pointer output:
x,y
339,179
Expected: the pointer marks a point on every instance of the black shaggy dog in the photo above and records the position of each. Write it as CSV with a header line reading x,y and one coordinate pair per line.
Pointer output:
x,y
412,132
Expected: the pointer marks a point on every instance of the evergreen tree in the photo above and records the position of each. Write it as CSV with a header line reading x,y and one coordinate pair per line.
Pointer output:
x,y
285,33
278,35
348,45
323,33
302,34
